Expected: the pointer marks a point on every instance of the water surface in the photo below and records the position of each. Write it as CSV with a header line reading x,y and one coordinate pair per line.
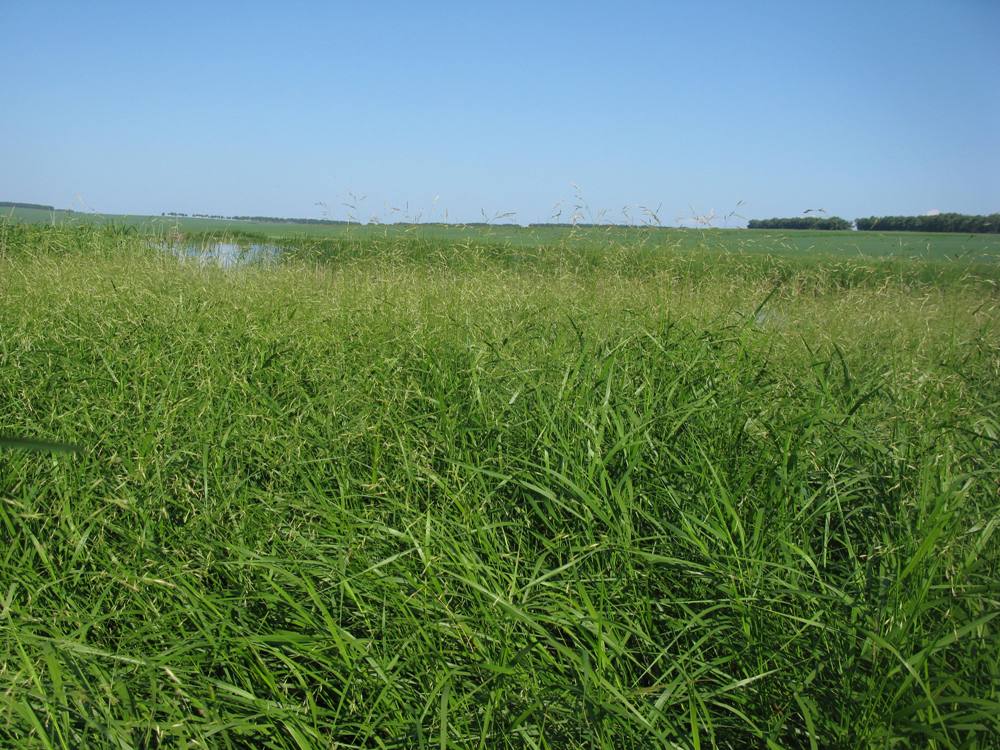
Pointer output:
x,y
224,254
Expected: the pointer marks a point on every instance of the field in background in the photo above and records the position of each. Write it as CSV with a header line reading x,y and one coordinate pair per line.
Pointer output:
x,y
651,489
797,242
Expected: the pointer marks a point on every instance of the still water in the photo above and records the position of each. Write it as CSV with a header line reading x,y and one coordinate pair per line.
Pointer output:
x,y
224,254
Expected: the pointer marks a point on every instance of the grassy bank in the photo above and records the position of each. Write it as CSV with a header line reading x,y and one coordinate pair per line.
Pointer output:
x,y
402,492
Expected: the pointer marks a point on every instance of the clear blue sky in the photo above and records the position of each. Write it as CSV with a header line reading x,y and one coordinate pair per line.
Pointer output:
x,y
269,108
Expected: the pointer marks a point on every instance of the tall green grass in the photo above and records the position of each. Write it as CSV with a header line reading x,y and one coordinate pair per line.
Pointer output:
x,y
413,494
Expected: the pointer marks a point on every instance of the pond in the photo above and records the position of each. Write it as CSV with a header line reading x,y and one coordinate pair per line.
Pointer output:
x,y
224,254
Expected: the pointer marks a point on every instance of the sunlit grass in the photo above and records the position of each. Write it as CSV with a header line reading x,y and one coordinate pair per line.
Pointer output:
x,y
405,493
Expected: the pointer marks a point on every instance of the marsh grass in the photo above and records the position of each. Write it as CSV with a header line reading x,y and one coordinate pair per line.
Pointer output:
x,y
405,493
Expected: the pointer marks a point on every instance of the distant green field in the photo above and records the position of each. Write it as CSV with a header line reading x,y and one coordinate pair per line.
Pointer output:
x,y
794,242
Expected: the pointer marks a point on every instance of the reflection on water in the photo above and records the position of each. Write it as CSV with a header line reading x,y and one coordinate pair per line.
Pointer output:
x,y
224,254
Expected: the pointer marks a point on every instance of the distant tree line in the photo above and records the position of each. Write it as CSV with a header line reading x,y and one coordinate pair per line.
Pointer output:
x,y
262,219
14,204
280,220
589,225
950,222
569,225
801,222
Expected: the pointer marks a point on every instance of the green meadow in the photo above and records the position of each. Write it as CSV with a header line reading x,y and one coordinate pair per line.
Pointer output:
x,y
409,487
844,245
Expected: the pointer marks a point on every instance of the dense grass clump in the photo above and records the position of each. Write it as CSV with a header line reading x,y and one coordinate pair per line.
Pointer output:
x,y
412,494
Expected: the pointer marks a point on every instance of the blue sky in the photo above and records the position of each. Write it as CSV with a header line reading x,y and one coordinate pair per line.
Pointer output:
x,y
271,108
